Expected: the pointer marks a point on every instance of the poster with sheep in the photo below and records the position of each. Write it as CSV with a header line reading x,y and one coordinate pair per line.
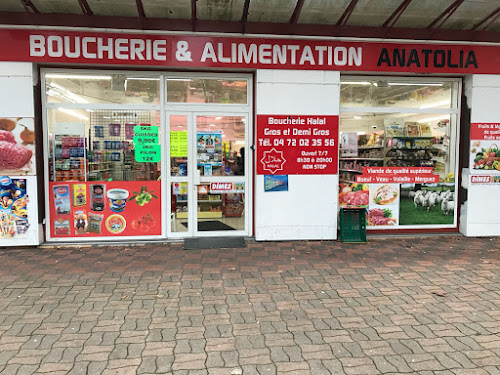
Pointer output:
x,y
427,204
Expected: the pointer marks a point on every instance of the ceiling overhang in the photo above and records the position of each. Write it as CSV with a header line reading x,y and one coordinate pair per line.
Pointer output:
x,y
238,27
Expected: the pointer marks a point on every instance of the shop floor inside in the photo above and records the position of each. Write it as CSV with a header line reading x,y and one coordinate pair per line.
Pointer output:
x,y
426,305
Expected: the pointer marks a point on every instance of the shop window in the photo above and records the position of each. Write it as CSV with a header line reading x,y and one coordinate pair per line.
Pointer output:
x,y
84,88
399,164
397,93
102,145
207,91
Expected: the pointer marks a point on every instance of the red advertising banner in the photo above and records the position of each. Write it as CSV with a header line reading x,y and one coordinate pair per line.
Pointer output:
x,y
400,175
105,208
297,144
82,47
485,131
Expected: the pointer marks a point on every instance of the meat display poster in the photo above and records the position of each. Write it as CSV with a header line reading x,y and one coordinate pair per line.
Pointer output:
x,y
383,208
484,148
297,144
14,218
407,205
105,208
17,147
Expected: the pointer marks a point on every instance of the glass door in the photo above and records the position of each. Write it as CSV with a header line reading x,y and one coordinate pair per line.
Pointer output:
x,y
209,174
222,167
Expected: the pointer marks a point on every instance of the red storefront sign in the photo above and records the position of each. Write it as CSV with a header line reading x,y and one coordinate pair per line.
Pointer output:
x,y
297,144
82,47
400,175
485,131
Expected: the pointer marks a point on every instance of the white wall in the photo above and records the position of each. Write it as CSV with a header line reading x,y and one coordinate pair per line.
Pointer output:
x,y
478,216
309,209
16,100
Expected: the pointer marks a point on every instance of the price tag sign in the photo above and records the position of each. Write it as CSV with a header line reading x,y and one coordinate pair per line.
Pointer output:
x,y
178,144
147,153
145,135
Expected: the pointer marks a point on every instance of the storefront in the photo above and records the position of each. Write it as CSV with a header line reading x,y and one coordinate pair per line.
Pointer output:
x,y
163,136
112,135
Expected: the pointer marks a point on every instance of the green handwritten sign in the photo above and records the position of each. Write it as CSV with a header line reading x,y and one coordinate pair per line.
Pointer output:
x,y
145,135
178,144
147,153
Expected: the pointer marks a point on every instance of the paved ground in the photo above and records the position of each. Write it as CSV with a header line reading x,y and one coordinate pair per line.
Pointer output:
x,y
402,305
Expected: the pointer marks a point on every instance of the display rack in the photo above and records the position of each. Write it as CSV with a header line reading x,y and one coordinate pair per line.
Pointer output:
x,y
370,153
68,159
396,151
111,151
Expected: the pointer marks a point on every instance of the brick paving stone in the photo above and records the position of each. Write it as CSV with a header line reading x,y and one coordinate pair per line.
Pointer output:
x,y
422,305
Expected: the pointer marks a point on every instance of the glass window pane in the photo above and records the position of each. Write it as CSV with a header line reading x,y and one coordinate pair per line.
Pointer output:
x,y
220,145
179,214
214,91
221,211
393,93
398,140
178,145
100,145
102,88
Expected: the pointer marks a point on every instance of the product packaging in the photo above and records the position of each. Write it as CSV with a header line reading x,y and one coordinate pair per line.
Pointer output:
x,y
97,197
81,222
61,199
99,131
117,199
61,227
79,195
129,130
95,221
114,130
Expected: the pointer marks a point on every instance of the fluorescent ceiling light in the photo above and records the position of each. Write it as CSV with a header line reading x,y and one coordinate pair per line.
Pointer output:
x,y
360,133
357,117
77,76
414,84
218,118
212,124
356,83
141,79
436,104
431,119
73,113
179,79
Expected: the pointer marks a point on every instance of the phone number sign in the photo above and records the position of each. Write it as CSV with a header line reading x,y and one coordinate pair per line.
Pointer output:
x,y
297,144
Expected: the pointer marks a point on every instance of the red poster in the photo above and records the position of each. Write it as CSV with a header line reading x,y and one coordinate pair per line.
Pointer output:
x,y
105,208
297,144
400,175
485,131
83,47
484,150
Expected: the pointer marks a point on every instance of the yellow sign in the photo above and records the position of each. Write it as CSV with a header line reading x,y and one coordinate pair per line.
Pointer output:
x,y
178,145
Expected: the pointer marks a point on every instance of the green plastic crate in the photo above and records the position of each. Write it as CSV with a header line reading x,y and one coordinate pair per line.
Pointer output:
x,y
353,225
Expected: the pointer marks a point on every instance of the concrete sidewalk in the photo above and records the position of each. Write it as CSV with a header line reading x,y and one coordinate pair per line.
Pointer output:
x,y
426,305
